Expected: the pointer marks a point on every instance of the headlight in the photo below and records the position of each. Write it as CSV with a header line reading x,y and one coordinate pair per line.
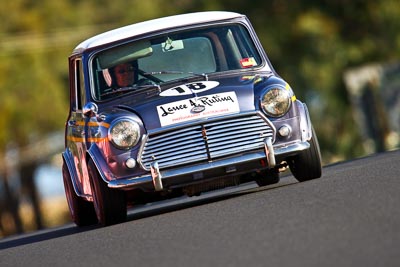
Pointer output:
x,y
276,102
124,133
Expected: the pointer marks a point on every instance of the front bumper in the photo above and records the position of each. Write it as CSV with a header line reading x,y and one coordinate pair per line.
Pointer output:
x,y
230,166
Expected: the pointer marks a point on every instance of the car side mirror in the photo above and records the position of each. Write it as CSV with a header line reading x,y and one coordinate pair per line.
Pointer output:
x,y
90,110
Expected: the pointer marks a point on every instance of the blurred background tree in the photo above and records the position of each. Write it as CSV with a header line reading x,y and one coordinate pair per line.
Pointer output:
x,y
310,43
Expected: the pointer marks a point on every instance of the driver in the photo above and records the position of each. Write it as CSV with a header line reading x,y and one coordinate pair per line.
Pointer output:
x,y
124,74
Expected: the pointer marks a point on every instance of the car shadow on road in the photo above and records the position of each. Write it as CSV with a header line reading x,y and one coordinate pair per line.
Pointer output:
x,y
42,235
143,211
185,202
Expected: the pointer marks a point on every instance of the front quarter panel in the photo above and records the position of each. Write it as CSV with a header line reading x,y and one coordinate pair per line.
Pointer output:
x,y
109,160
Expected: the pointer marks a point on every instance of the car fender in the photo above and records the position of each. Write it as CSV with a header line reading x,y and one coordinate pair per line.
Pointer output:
x,y
69,163
96,156
305,122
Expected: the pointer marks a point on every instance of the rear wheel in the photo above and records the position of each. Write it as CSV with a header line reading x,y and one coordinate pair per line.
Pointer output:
x,y
82,211
109,204
307,165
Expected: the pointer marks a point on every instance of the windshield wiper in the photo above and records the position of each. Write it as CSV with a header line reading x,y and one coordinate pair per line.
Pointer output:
x,y
204,75
134,88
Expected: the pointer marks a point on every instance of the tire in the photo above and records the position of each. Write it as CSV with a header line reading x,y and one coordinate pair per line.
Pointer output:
x,y
82,211
267,177
109,204
307,165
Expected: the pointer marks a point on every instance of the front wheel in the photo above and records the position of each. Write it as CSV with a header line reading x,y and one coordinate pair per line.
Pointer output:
x,y
109,204
307,165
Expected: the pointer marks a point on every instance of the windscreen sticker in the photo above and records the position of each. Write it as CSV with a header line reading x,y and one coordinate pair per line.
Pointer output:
x,y
196,108
248,62
190,88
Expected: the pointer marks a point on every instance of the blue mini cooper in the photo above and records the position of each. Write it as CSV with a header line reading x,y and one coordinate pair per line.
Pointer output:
x,y
178,106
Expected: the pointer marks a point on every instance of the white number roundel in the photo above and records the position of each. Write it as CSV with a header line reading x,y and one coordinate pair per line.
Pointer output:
x,y
190,88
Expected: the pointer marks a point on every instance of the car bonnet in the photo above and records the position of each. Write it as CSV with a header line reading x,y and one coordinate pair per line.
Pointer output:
x,y
197,100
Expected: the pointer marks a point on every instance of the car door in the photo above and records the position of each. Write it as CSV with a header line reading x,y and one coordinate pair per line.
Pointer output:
x,y
76,126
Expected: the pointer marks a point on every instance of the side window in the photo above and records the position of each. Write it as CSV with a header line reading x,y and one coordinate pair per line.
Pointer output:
x,y
79,92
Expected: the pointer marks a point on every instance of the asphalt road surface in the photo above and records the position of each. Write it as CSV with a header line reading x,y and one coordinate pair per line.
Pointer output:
x,y
349,217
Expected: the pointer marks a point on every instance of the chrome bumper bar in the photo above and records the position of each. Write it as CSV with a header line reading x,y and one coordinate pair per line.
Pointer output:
x,y
157,176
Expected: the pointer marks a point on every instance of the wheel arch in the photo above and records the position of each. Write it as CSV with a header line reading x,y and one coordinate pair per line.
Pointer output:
x,y
94,154
69,163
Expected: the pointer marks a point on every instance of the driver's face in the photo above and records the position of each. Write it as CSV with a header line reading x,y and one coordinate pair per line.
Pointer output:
x,y
124,74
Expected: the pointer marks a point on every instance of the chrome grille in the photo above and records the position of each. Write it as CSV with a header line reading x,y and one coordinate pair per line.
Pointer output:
x,y
206,141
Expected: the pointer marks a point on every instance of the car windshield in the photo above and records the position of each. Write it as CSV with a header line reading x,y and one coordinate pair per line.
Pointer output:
x,y
152,62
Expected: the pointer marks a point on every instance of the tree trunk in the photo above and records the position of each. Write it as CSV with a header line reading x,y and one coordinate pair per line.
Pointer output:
x,y
27,172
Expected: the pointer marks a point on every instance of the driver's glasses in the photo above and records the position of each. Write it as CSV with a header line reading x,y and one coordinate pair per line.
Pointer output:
x,y
122,70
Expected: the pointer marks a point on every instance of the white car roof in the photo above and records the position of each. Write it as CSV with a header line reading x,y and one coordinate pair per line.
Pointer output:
x,y
154,25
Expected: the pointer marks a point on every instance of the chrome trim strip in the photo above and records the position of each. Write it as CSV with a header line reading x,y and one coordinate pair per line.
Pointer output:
x,y
143,142
305,123
210,120
136,181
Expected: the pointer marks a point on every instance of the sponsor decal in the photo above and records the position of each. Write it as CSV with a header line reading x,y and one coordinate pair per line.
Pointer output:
x,y
198,107
190,88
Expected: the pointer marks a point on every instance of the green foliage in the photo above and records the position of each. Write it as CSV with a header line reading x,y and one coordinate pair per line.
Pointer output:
x,y
310,44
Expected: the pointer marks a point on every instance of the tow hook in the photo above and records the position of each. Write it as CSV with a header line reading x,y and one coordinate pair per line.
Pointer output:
x,y
269,152
156,175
